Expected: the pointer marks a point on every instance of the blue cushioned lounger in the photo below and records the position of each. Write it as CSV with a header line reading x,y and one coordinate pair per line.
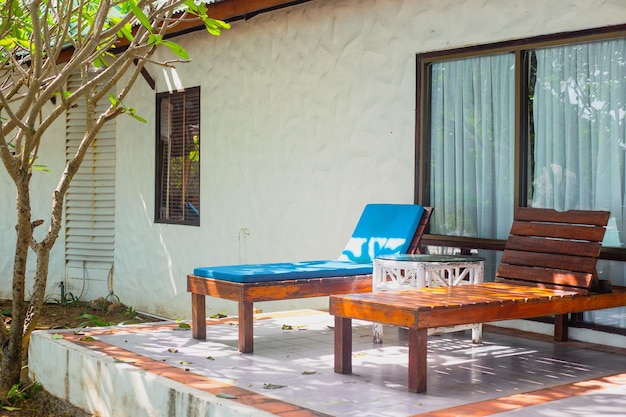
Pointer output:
x,y
383,229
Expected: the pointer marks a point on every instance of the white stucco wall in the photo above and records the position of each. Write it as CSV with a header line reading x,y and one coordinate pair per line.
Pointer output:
x,y
307,115
52,155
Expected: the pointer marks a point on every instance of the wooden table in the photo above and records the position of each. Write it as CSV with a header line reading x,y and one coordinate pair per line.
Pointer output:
x,y
422,308
393,272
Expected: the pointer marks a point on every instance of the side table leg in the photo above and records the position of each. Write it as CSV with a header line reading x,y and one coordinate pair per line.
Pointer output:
x,y
198,316
343,345
379,278
477,334
418,339
377,332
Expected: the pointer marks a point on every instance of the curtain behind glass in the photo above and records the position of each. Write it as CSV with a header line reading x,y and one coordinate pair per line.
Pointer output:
x,y
472,146
580,139
580,135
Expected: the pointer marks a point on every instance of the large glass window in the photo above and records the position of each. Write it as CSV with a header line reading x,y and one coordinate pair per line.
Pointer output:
x,y
472,146
178,157
578,141
540,124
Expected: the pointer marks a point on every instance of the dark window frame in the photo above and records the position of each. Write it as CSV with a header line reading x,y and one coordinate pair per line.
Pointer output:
x,y
422,141
183,210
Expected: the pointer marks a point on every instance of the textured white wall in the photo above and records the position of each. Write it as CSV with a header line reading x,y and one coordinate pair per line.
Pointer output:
x,y
52,155
307,115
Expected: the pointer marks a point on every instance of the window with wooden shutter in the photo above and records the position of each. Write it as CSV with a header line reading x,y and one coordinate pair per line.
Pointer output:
x,y
178,157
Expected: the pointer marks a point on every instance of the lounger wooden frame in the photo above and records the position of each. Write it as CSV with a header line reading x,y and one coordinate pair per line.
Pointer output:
x,y
548,268
246,294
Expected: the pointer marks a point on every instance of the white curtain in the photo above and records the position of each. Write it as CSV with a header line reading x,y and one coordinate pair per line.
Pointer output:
x,y
579,108
472,146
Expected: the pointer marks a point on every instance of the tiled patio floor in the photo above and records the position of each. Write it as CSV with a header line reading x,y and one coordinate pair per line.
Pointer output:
x,y
291,372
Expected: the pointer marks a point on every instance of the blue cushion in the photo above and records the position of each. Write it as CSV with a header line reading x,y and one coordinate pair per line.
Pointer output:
x,y
283,271
383,229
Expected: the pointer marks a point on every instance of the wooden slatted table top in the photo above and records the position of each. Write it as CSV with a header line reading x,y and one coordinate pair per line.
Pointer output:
x,y
466,304
456,297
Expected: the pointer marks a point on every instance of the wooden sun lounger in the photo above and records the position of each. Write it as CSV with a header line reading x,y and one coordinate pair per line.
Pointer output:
x,y
247,293
548,268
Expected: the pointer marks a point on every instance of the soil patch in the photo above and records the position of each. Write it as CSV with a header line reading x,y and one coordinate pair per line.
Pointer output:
x,y
72,315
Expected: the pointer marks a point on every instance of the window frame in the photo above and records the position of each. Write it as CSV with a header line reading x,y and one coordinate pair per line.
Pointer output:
x,y
159,155
422,122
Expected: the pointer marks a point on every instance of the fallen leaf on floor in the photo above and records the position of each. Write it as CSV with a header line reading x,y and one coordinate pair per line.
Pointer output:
x,y
87,339
173,350
57,336
211,358
273,386
185,362
309,372
217,316
184,326
225,395
290,327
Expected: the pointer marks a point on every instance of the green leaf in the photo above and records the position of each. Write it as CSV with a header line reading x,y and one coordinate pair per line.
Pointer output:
x,y
8,43
126,32
176,48
154,39
57,336
138,118
184,326
7,408
15,389
42,168
290,327
273,386
141,16
214,26
100,62
87,339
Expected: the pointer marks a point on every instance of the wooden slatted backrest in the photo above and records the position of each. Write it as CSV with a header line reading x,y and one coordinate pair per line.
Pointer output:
x,y
554,249
415,246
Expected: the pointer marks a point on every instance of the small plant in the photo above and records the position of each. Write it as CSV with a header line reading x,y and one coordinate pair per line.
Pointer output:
x,y
18,393
69,298
93,321
129,312
50,299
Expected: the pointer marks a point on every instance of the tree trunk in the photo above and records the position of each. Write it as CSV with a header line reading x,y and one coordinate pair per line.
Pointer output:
x,y
12,351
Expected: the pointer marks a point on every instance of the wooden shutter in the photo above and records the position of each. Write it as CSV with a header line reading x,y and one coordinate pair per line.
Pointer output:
x,y
90,207
178,157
